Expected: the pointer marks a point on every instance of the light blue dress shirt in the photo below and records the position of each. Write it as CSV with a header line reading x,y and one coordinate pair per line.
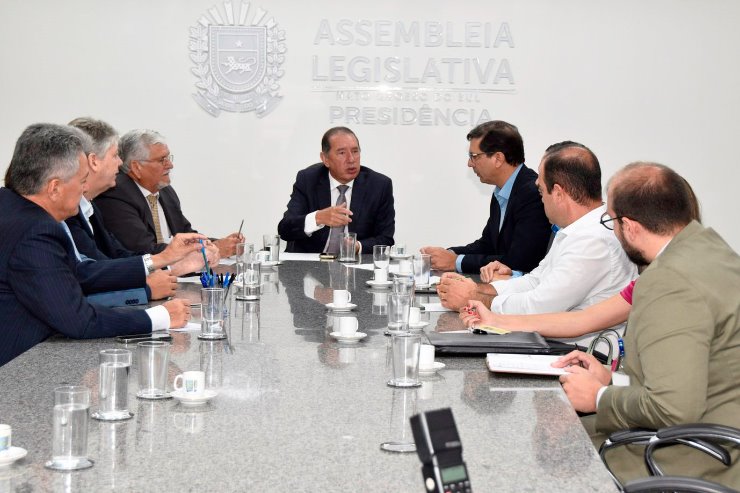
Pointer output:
x,y
502,197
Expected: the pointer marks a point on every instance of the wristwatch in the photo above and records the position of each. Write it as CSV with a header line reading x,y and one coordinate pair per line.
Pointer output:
x,y
148,263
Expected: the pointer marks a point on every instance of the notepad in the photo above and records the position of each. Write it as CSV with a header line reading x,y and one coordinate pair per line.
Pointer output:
x,y
531,364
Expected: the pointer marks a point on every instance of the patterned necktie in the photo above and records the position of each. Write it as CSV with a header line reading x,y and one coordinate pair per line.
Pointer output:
x,y
155,216
335,234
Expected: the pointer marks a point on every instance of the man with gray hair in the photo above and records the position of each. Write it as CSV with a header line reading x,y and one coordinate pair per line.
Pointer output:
x,y
88,230
143,211
40,289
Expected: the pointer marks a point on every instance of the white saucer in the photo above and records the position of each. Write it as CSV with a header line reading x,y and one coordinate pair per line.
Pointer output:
x,y
379,284
418,325
190,400
346,308
357,336
271,263
12,454
431,371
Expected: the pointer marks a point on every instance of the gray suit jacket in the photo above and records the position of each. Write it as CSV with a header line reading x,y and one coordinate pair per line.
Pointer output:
x,y
682,351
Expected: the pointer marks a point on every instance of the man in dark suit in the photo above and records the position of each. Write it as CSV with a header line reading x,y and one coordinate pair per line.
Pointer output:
x,y
87,227
40,291
142,210
517,231
338,195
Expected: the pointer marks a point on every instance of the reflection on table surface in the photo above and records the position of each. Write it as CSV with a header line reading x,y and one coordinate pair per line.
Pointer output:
x,y
295,408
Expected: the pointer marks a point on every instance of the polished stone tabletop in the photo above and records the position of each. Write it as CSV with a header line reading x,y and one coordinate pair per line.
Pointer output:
x,y
295,409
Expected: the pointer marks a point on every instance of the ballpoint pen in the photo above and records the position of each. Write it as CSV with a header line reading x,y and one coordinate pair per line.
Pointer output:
x,y
239,233
206,268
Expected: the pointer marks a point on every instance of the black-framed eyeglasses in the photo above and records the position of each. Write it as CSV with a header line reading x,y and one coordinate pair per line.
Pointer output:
x,y
472,156
607,221
161,161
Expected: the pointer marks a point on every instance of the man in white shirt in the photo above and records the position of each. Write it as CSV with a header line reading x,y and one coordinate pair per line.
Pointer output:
x,y
338,195
585,264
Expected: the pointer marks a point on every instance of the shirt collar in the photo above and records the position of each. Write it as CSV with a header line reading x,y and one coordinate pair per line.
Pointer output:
x,y
86,208
334,183
146,192
584,222
505,191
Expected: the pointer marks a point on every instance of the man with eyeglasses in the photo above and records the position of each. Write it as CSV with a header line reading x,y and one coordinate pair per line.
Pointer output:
x,y
682,349
338,195
142,210
517,231
585,264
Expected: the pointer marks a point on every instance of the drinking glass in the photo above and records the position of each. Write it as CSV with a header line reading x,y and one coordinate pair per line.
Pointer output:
x,y
272,245
347,247
398,313
69,435
422,268
154,356
405,348
115,366
381,256
212,313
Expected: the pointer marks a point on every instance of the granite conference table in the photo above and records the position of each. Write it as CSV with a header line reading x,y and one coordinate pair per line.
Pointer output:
x,y
295,409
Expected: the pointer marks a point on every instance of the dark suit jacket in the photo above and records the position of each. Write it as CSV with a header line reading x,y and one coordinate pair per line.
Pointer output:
x,y
522,242
40,292
373,215
127,215
98,243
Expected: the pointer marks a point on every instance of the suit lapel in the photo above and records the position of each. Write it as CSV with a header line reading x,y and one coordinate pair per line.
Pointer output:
x,y
358,199
323,199
143,204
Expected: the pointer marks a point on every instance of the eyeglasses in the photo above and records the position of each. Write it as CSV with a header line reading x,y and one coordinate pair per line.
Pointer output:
x,y
161,161
472,156
607,221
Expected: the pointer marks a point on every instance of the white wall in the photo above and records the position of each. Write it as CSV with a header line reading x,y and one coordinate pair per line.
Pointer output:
x,y
633,80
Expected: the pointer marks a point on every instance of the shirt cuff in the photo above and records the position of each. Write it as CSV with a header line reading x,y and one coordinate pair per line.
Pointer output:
x,y
458,263
309,224
160,317
599,394
516,273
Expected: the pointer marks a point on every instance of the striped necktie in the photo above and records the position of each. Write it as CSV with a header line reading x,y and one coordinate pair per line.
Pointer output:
x,y
154,206
335,234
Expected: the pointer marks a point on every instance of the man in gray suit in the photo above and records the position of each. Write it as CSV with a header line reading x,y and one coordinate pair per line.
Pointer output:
x,y
682,347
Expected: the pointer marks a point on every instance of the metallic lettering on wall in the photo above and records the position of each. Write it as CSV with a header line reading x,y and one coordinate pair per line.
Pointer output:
x,y
237,56
383,72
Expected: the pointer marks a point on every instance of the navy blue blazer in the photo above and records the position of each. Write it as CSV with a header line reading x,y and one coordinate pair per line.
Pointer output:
x,y
522,242
40,291
128,217
373,215
96,243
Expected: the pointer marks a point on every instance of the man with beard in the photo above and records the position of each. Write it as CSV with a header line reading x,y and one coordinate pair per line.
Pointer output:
x,y
682,349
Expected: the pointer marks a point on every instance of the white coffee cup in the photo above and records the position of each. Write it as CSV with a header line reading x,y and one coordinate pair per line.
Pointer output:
x,y
6,433
426,356
191,383
346,326
414,315
262,256
381,275
341,297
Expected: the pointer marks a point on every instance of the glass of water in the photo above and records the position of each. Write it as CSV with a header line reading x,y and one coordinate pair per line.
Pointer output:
x,y
405,349
399,305
115,366
69,439
381,256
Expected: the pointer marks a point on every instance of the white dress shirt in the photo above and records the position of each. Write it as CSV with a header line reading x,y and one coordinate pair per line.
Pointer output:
x,y
309,224
586,264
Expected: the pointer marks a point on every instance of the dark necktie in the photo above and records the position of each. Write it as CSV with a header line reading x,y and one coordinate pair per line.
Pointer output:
x,y
335,234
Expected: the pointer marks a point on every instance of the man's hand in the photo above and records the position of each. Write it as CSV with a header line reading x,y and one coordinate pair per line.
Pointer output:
x,y
494,271
162,283
338,215
181,245
179,311
442,259
227,245
586,376
455,291
193,262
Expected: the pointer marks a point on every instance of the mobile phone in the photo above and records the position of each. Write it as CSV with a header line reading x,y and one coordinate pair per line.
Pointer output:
x,y
327,256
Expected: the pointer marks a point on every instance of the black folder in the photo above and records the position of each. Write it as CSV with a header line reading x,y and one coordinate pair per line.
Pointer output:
x,y
513,342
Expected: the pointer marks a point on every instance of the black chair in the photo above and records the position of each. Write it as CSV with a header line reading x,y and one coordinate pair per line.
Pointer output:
x,y
708,438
